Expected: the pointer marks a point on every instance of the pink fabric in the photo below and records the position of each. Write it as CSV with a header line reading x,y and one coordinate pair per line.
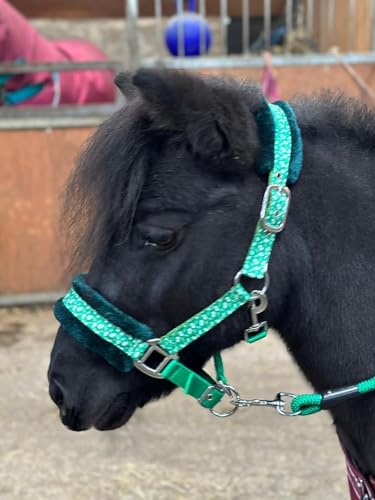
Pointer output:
x,y
269,85
360,486
19,39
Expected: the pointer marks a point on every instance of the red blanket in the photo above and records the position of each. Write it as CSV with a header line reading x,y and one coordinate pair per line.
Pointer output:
x,y
360,486
19,40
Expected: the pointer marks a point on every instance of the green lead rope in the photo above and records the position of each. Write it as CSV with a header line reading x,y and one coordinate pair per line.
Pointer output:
x,y
307,404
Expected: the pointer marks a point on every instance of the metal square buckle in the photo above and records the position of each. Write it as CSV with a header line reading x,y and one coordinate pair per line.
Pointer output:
x,y
263,212
148,370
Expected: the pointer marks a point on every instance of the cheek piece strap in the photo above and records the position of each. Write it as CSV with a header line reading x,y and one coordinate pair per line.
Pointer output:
x,y
125,343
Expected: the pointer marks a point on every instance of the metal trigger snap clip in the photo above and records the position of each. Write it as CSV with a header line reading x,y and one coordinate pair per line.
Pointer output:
x,y
258,304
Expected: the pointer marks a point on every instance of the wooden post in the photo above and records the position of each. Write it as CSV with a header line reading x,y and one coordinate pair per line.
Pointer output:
x,y
346,24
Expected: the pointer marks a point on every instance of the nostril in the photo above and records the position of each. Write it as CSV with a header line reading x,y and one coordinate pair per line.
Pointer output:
x,y
71,419
56,394
70,414
59,398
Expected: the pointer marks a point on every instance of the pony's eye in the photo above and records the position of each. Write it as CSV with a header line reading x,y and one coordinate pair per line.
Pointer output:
x,y
161,238
162,241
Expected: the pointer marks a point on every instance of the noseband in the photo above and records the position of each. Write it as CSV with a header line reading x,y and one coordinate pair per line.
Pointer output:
x,y
125,343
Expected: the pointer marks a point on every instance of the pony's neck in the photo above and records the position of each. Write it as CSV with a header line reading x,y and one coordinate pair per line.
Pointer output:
x,y
327,320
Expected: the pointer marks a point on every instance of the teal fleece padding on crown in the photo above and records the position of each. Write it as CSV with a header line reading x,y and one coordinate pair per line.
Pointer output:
x,y
266,131
297,145
90,340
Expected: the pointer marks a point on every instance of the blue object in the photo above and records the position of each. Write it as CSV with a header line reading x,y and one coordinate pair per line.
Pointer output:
x,y
193,27
13,97
277,37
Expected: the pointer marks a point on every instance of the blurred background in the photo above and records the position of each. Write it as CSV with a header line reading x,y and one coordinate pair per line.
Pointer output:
x,y
57,61
38,143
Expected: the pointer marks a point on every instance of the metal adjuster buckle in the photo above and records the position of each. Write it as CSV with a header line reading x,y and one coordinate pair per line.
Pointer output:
x,y
263,212
148,370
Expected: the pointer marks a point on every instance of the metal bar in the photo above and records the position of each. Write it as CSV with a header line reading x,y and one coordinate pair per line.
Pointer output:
x,y
159,27
331,20
267,23
131,23
258,62
47,123
373,23
289,19
321,23
289,15
245,27
352,20
66,111
64,117
224,24
202,33
310,18
202,8
180,28
16,69
30,299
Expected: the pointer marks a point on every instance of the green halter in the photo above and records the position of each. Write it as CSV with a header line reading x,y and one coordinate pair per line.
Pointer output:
x,y
123,341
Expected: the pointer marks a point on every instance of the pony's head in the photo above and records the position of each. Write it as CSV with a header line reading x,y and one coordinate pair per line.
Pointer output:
x,y
161,209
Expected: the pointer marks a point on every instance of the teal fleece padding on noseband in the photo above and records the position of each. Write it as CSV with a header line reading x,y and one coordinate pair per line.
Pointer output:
x,y
110,312
85,336
266,131
88,339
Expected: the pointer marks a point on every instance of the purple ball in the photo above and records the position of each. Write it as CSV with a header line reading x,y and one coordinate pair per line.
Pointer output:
x,y
194,27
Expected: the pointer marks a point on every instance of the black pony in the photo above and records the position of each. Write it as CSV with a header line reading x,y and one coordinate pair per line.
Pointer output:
x,y
161,209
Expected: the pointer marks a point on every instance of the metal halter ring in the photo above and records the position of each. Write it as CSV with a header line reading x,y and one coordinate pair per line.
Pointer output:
x,y
280,409
232,393
263,291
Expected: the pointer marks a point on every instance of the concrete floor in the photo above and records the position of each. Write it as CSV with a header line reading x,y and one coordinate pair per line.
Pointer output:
x,y
172,449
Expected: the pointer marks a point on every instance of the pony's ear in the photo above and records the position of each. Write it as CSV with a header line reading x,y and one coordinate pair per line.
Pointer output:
x,y
124,82
162,90
214,116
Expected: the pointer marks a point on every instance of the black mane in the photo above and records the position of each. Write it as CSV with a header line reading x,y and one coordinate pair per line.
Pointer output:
x,y
102,191
334,114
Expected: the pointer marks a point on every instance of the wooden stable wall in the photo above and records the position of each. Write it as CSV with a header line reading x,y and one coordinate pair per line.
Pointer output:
x,y
35,164
33,167
306,80
346,25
